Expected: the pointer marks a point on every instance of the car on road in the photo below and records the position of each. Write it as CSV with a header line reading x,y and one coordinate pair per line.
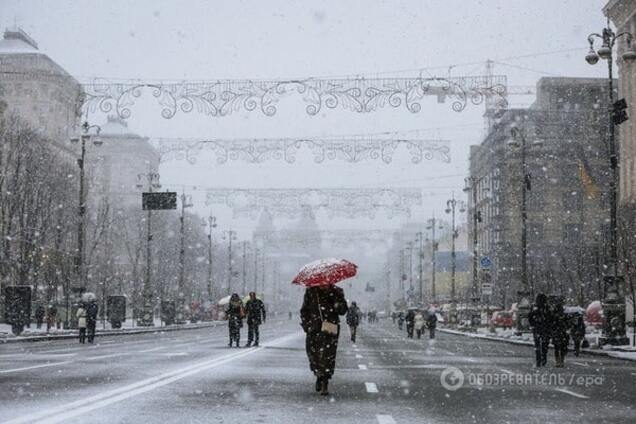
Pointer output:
x,y
502,319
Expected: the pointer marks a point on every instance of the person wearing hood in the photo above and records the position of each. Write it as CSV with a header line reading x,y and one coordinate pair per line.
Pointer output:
x,y
410,323
255,311
235,313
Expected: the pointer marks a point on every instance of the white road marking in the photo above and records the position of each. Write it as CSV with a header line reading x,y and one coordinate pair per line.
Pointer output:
x,y
371,387
53,364
506,371
112,355
385,419
580,364
77,408
358,356
362,366
154,349
577,395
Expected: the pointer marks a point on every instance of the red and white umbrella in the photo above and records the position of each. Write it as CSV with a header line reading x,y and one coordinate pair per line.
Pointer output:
x,y
325,272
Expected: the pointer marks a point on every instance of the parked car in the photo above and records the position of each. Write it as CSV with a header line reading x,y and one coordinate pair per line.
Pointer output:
x,y
502,319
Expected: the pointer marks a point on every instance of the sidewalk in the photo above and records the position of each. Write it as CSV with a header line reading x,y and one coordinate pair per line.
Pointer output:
x,y
626,353
34,335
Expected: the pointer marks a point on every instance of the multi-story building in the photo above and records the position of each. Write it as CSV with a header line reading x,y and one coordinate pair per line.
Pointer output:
x,y
566,192
37,89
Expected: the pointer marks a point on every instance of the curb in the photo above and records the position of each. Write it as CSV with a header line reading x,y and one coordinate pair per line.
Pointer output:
x,y
592,352
99,333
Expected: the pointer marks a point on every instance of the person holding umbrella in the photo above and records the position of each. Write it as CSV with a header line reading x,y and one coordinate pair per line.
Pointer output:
x,y
323,304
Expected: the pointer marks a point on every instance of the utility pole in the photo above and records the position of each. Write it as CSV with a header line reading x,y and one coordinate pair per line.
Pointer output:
x,y
256,252
211,226
181,283
147,314
231,237
434,245
420,254
244,287
451,206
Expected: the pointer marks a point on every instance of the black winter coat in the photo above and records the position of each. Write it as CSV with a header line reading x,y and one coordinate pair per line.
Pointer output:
x,y
539,319
91,312
255,311
332,304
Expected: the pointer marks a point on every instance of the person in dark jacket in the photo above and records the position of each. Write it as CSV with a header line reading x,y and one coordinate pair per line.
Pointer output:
x,y
320,320
410,323
559,332
353,320
91,320
431,323
577,331
235,313
51,317
255,311
39,315
401,320
539,321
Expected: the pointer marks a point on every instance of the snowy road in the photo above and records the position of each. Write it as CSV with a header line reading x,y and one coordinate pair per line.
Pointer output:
x,y
193,377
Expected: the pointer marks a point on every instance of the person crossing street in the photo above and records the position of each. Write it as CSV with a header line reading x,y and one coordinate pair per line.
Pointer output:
x,y
255,311
353,320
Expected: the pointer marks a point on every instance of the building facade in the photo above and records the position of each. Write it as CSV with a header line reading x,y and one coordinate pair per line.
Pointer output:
x,y
566,193
37,89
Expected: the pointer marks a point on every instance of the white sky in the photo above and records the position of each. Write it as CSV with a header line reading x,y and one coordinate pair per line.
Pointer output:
x,y
162,39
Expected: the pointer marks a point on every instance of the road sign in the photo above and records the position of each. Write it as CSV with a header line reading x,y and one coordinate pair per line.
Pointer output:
x,y
485,262
159,200
486,289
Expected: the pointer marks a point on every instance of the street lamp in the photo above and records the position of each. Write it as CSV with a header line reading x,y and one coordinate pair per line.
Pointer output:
x,y
231,235
451,206
613,305
211,225
434,245
147,313
471,186
185,203
519,140
80,270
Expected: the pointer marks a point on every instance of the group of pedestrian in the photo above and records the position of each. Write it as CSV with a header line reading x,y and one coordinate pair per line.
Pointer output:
x,y
417,321
48,314
253,311
87,320
550,323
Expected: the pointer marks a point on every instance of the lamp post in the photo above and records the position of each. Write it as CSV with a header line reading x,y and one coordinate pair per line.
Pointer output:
x,y
147,313
185,203
231,235
524,303
434,246
80,270
471,186
420,254
211,226
452,205
613,304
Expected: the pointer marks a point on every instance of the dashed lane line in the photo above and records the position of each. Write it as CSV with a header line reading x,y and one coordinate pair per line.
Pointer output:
x,y
362,367
571,393
581,364
52,364
358,356
371,387
385,419
80,407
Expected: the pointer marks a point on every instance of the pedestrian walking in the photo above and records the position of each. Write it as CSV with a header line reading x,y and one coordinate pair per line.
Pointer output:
x,y
410,323
353,320
558,331
235,314
91,319
51,317
39,315
400,320
255,311
577,331
419,324
431,323
539,321
320,319
81,322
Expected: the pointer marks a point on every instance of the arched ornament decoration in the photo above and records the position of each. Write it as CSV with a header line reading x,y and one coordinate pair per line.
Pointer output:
x,y
224,97
338,202
262,150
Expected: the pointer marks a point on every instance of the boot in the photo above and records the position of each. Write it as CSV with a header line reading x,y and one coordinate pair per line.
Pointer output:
x,y
249,344
324,387
318,384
